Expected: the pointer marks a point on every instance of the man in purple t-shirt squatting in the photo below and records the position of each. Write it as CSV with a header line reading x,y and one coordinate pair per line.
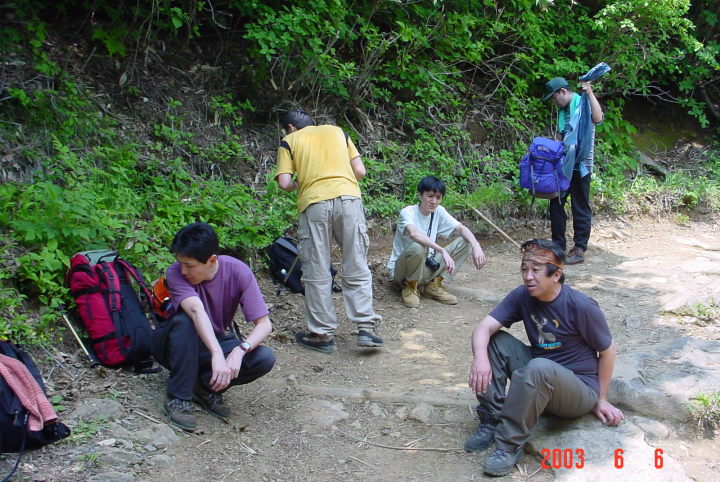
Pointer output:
x,y
566,371
196,343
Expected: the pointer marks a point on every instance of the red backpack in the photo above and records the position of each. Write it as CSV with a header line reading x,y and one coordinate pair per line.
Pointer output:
x,y
115,318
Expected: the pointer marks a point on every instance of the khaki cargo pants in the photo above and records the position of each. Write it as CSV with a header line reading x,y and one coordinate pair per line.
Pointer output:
x,y
342,219
410,265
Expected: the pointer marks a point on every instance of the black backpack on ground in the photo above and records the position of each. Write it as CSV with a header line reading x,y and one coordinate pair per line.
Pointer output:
x,y
285,267
15,435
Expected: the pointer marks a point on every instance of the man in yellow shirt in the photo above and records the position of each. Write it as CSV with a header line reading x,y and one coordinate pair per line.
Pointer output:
x,y
327,167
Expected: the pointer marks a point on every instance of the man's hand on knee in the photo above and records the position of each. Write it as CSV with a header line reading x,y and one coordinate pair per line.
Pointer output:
x,y
478,257
480,376
449,262
221,373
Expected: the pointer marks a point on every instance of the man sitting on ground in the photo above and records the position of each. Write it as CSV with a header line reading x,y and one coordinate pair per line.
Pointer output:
x,y
196,343
566,371
416,259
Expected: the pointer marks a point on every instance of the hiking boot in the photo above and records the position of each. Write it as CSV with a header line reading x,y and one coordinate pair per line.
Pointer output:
x,y
211,402
369,339
502,462
436,291
313,341
575,256
410,295
180,413
483,437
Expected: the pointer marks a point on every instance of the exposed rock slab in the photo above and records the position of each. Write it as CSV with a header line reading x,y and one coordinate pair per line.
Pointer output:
x,y
598,444
659,380
159,435
97,408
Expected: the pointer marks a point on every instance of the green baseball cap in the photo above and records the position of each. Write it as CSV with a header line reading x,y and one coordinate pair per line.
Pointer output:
x,y
553,85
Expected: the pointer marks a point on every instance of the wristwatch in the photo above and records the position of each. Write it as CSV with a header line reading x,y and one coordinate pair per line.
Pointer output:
x,y
245,346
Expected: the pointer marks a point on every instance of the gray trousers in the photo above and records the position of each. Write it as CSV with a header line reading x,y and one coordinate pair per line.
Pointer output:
x,y
537,385
343,219
410,265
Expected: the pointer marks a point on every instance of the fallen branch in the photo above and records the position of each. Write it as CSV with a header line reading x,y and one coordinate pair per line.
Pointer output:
x,y
172,426
389,397
494,226
146,416
391,447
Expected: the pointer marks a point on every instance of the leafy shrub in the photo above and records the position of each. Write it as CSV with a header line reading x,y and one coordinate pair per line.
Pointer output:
x,y
705,410
409,76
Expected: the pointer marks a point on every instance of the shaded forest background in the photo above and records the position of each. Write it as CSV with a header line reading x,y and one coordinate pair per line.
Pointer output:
x,y
122,121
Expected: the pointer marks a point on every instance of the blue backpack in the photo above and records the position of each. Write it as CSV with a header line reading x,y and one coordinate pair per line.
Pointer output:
x,y
541,169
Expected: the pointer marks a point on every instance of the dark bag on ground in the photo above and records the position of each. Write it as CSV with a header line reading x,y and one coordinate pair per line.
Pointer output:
x,y
15,433
285,267
113,303
541,169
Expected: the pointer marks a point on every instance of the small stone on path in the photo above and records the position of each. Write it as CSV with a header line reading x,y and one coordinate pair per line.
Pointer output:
x,y
421,413
326,413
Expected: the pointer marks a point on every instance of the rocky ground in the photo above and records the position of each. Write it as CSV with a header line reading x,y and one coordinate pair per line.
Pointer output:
x,y
403,412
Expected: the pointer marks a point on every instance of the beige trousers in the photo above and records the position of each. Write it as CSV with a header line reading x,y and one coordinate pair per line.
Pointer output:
x,y
410,265
342,219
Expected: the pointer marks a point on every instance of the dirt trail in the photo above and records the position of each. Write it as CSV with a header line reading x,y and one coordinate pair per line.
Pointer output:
x,y
633,270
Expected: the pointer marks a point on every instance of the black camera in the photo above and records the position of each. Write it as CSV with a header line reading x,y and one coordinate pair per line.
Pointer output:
x,y
432,264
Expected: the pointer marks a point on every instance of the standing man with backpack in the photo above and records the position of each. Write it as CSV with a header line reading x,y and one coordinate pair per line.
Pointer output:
x,y
327,168
197,344
577,117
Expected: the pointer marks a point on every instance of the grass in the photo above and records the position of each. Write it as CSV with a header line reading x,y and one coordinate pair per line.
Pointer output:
x,y
705,410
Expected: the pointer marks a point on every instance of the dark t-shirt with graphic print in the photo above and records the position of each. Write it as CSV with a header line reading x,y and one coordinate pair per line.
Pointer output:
x,y
569,330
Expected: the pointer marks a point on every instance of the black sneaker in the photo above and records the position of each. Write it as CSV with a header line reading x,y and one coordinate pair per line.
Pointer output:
x,y
369,339
211,402
502,462
313,341
575,256
483,437
180,413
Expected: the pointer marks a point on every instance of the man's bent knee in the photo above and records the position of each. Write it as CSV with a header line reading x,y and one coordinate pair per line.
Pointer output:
x,y
260,363
537,369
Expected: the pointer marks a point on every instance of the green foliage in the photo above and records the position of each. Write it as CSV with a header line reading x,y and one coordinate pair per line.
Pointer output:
x,y
615,143
14,321
84,431
676,192
415,78
105,197
227,110
705,410
58,403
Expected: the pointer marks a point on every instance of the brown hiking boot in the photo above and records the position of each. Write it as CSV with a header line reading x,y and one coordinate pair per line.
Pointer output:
x,y
180,413
313,341
575,256
211,402
436,291
410,294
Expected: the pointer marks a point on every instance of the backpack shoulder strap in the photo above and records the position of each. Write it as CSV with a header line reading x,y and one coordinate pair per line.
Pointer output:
x,y
135,274
285,145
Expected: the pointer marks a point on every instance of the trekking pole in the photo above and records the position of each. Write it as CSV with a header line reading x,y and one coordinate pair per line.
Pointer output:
x,y
93,361
292,267
494,226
